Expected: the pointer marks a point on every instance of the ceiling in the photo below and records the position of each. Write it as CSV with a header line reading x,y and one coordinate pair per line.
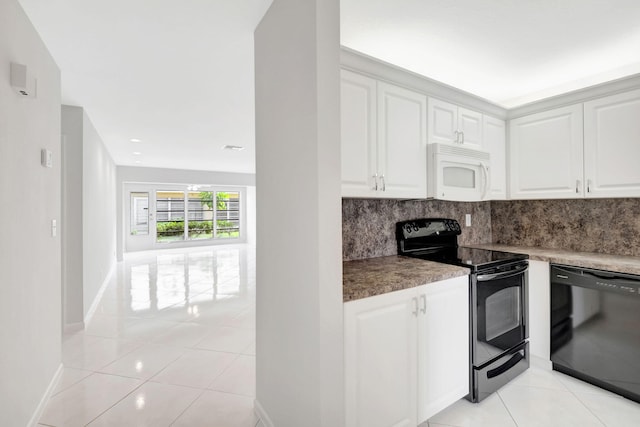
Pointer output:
x,y
178,75
510,52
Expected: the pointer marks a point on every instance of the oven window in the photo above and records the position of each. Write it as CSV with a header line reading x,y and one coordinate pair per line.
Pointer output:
x,y
503,312
458,177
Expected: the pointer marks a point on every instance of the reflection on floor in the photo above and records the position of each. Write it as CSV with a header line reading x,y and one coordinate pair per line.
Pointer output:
x,y
172,343
543,398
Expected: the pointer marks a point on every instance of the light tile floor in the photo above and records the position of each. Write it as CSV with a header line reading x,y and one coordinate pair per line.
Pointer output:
x,y
543,398
171,343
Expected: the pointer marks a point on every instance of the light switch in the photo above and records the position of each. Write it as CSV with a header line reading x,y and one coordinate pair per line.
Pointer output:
x,y
46,158
467,220
54,228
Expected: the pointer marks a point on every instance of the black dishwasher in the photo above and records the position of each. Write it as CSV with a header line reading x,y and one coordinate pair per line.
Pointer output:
x,y
595,327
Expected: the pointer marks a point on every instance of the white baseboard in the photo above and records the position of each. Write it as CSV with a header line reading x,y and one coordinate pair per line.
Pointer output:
x,y
33,422
96,300
262,414
72,328
541,363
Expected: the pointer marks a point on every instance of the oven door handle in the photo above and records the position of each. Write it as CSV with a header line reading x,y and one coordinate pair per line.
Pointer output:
x,y
506,274
508,365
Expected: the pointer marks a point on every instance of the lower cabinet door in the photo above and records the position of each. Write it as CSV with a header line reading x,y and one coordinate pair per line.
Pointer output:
x,y
443,345
381,360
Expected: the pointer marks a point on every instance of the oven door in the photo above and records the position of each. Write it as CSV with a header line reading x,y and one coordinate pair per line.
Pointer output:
x,y
499,304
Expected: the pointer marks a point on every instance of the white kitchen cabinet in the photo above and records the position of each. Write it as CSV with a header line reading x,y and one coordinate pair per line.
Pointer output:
x,y
539,310
494,138
358,135
384,143
545,155
381,360
450,124
612,146
443,345
406,354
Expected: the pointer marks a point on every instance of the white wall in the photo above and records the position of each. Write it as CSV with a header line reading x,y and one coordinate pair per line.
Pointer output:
x,y
299,292
98,213
30,309
71,223
142,175
89,214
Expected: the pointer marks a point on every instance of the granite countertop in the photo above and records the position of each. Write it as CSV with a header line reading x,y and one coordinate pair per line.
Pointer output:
x,y
617,263
376,276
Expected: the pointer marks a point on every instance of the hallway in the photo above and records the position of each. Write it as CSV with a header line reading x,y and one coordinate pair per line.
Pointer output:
x,y
172,342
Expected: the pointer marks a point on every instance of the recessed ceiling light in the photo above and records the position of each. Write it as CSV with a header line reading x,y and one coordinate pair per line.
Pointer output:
x,y
136,153
233,147
135,140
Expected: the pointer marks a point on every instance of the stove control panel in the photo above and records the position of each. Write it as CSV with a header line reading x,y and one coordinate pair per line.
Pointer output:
x,y
427,227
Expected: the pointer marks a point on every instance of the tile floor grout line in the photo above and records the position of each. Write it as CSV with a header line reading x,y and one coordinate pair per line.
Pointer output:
x,y
202,391
76,382
588,408
235,359
507,408
580,400
120,400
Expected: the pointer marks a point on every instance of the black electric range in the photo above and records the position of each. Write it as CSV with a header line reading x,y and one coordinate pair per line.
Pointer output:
x,y
435,239
498,312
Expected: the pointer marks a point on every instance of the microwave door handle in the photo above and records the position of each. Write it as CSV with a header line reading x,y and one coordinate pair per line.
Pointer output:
x,y
485,172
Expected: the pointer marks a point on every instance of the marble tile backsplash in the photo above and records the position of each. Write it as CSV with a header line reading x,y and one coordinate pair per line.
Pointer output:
x,y
609,226
368,225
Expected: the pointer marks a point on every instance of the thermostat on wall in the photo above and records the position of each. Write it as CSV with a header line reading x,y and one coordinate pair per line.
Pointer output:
x,y
46,158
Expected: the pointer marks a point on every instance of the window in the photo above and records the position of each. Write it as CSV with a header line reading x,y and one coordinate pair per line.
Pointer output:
x,y
200,215
227,215
197,215
169,216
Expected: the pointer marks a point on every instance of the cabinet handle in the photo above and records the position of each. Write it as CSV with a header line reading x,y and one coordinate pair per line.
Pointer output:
x,y
577,186
457,132
375,182
384,185
415,306
462,137
588,186
423,310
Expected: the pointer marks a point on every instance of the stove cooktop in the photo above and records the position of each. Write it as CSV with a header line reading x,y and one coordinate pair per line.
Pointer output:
x,y
476,259
436,239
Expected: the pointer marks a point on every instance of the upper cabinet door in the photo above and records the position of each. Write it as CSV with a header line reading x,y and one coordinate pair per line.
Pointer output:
x,y
470,124
494,138
612,146
358,134
443,122
546,155
402,142
450,124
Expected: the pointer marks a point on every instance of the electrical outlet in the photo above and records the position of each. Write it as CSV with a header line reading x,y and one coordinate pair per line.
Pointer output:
x,y
467,220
